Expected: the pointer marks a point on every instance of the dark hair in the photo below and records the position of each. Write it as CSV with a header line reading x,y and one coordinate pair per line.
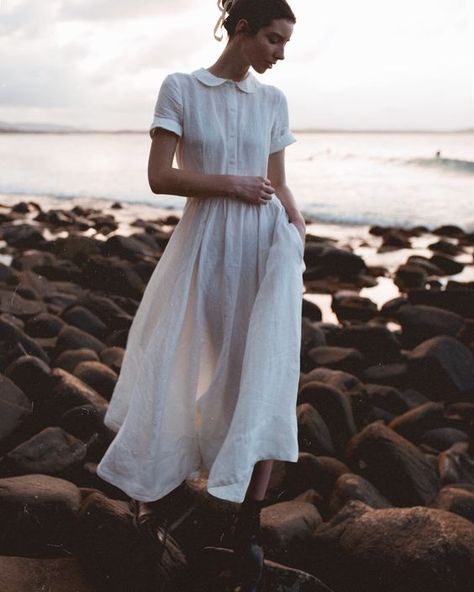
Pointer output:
x,y
258,13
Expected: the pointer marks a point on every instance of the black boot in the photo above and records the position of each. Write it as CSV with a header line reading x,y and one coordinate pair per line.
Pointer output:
x,y
247,545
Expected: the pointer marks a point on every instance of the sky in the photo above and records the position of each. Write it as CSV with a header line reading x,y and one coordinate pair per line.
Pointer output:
x,y
350,64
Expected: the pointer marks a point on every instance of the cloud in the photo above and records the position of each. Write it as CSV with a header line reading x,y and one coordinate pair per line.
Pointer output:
x,y
109,10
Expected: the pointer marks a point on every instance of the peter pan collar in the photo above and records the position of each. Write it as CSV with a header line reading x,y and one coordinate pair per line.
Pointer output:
x,y
248,84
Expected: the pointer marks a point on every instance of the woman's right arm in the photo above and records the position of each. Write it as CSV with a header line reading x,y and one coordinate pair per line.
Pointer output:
x,y
164,179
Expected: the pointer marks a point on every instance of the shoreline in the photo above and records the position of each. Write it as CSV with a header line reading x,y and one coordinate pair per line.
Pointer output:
x,y
356,238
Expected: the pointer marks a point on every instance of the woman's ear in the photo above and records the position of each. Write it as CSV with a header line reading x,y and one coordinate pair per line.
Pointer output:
x,y
242,26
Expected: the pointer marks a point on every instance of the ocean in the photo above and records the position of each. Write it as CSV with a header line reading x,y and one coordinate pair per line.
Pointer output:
x,y
400,179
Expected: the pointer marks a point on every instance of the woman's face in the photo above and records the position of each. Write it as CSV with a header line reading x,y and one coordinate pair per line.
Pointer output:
x,y
268,45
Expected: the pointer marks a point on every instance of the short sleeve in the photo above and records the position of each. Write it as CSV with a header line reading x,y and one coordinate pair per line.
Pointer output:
x,y
169,107
281,135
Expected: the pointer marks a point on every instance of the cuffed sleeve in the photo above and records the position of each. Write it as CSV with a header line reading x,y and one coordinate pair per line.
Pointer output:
x,y
281,135
168,112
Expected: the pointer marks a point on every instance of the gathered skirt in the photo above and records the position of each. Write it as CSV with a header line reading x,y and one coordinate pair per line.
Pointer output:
x,y
210,374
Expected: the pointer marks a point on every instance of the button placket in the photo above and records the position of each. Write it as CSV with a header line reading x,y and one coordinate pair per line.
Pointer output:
x,y
233,130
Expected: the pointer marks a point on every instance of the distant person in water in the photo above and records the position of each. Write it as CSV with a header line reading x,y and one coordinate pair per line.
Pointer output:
x,y
438,154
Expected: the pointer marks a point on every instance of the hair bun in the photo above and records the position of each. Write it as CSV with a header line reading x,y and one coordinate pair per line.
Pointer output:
x,y
225,6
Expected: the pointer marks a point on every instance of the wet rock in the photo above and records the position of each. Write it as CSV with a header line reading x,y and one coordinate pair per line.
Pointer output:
x,y
50,452
386,397
456,465
348,305
314,472
38,514
425,264
97,375
394,465
74,338
14,407
69,359
19,341
395,374
448,265
443,438
375,342
23,236
420,322
444,368
44,324
287,527
456,500
313,434
76,247
430,550
448,248
87,321
337,358
113,357
13,303
311,310
127,247
449,230
410,276
414,423
349,487
459,301
31,574
113,275
335,409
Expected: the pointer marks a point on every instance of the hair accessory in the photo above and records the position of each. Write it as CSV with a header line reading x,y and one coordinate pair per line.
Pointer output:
x,y
224,6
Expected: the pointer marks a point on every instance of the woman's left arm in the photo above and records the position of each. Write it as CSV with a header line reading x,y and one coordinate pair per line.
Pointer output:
x,y
276,174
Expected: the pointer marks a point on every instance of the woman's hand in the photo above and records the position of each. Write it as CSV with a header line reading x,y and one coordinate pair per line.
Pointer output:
x,y
253,190
298,220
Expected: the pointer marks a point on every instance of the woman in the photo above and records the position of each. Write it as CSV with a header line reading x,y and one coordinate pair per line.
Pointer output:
x,y
210,373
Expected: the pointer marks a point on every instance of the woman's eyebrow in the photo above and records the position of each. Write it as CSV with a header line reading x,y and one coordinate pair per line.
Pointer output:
x,y
278,35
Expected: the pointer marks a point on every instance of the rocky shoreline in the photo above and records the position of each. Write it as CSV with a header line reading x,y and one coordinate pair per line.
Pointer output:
x,y
382,496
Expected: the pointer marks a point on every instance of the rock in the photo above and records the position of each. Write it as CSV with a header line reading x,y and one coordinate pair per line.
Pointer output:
x,y
394,239
425,264
456,500
75,247
39,514
287,528
449,230
30,374
456,465
113,275
127,247
448,265
313,434
349,487
394,465
85,320
22,236
14,407
387,397
314,472
311,310
50,452
82,422
459,301
74,338
215,569
337,358
410,275
395,375
44,324
414,423
420,322
444,368
116,557
443,438
375,342
443,246
328,260
112,357
17,339
70,358
31,574
97,375
428,550
335,409
348,305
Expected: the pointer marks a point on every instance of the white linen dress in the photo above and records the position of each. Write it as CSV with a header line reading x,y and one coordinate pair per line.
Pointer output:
x,y
209,379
